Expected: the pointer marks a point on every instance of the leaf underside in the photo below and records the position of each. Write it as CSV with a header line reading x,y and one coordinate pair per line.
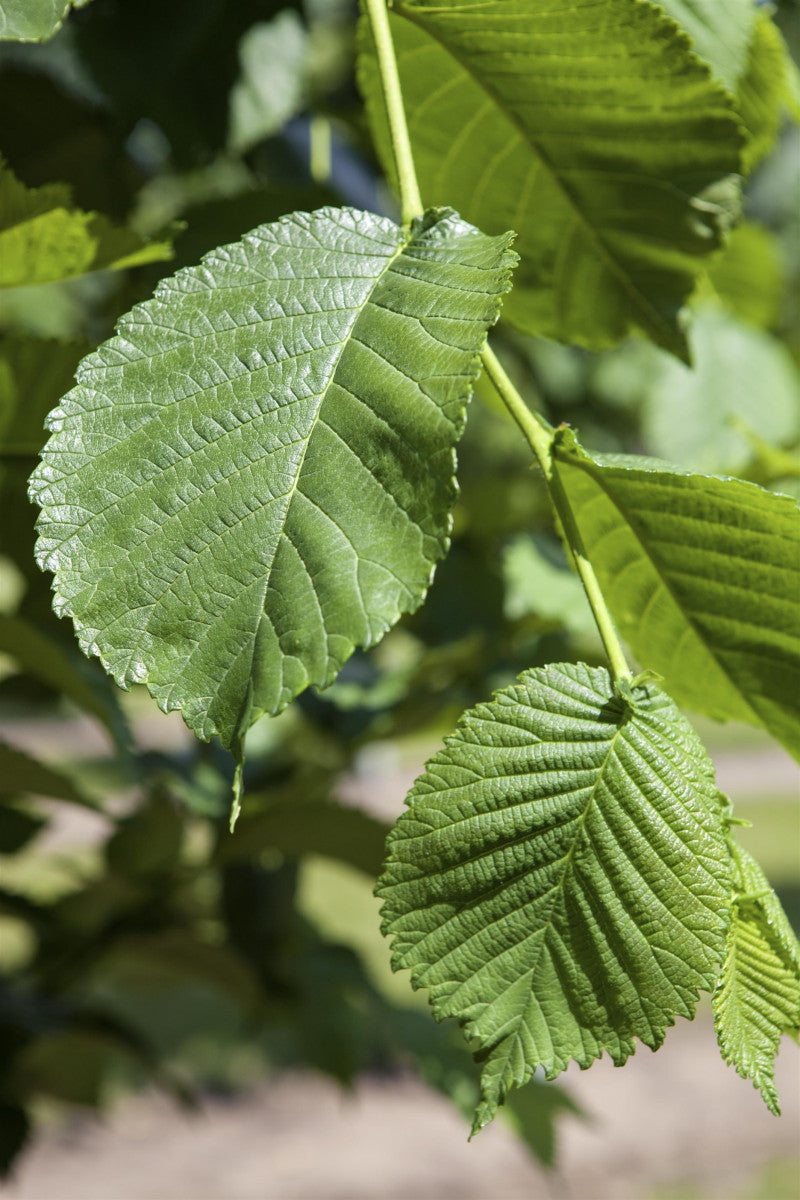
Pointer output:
x,y
255,475
589,128
757,999
561,880
702,575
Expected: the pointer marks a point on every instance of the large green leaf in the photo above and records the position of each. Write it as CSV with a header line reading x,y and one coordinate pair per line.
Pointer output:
x,y
255,475
758,995
702,575
44,238
561,881
590,129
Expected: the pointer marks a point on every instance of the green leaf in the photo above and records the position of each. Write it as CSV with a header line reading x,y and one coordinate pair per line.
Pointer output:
x,y
702,576
274,58
34,375
720,33
757,998
747,53
561,880
44,238
591,130
255,475
742,378
21,774
33,20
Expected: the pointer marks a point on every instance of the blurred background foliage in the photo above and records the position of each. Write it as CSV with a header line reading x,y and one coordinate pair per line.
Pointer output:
x,y
140,942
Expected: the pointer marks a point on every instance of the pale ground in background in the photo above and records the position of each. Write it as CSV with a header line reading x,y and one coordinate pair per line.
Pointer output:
x,y
678,1117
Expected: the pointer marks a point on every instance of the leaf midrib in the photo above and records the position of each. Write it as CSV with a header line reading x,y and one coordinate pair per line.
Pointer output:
x,y
263,615
356,313
558,886
656,321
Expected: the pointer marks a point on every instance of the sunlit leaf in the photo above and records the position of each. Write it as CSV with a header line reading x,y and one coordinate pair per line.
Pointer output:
x,y
44,238
561,880
702,576
758,996
592,130
255,475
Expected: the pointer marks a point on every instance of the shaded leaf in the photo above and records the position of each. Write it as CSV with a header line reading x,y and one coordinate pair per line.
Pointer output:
x,y
255,475
173,63
148,842
15,1128
592,131
44,238
702,576
534,1112
766,91
757,998
561,880
720,33
18,826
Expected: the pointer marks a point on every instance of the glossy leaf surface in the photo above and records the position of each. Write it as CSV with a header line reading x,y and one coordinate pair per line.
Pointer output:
x,y
255,475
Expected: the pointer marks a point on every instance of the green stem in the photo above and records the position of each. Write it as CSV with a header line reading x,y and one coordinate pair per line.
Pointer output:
x,y
539,436
410,199
319,149
537,432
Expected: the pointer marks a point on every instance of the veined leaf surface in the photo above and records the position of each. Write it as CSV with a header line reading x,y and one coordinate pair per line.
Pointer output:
x,y
758,996
702,575
589,128
255,475
561,880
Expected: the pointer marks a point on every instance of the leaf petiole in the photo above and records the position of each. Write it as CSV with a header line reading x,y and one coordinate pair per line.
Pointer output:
x,y
535,429
410,198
